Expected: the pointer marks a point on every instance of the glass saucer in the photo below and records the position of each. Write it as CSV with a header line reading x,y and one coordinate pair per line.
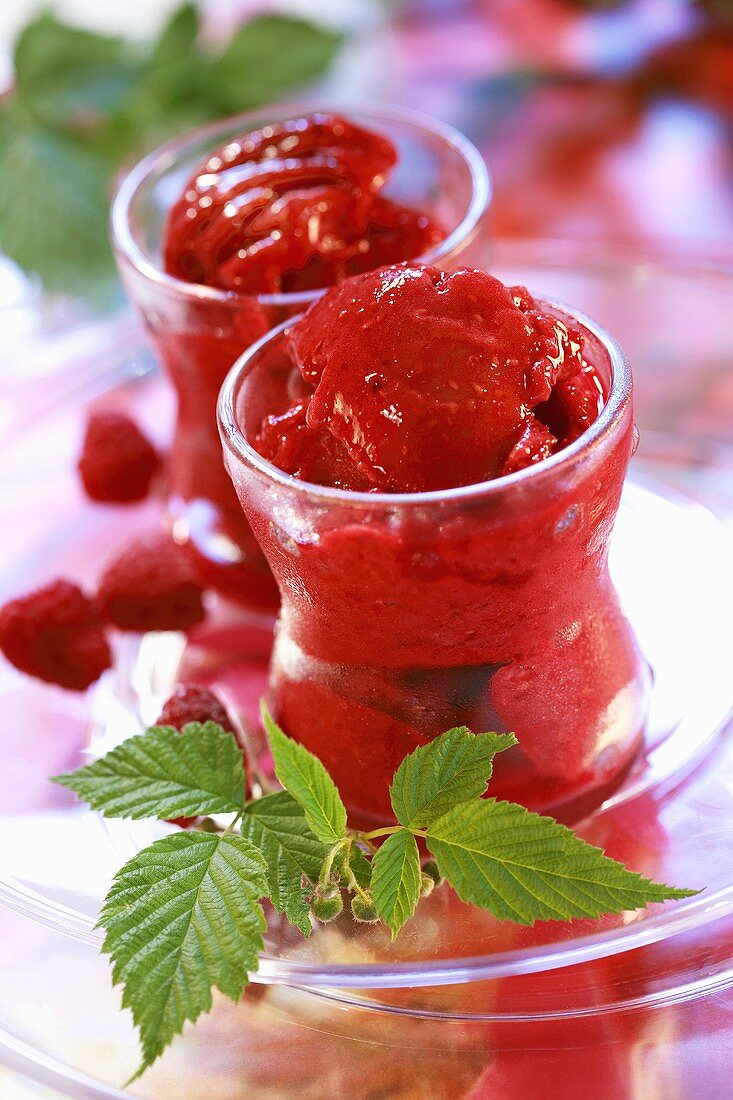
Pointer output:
x,y
659,537
460,1006
457,989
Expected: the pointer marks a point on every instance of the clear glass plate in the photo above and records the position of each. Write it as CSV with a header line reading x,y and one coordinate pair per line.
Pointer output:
x,y
461,1005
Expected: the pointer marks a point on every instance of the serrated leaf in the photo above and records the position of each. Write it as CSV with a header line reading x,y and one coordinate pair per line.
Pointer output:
x,y
453,768
525,867
178,36
271,54
85,103
165,774
276,826
396,879
55,225
62,70
173,90
304,776
182,917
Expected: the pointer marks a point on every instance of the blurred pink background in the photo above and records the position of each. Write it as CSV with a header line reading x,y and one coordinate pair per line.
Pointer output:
x,y
608,121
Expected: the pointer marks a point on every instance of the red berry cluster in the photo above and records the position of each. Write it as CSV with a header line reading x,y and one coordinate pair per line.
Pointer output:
x,y
193,703
57,633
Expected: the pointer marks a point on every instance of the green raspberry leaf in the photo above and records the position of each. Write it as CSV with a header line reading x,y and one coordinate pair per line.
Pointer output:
x,y
165,774
83,105
303,775
396,879
178,37
62,72
182,917
172,92
453,768
525,867
276,826
273,54
55,225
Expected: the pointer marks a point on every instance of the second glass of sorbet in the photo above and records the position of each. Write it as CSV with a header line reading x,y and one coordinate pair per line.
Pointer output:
x,y
199,330
489,605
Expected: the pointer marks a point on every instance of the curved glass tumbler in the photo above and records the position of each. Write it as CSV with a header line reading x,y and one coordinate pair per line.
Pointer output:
x,y
198,331
489,606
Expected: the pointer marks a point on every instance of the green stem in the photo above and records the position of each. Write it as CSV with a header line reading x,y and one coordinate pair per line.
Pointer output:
x,y
233,824
325,875
388,832
361,838
354,885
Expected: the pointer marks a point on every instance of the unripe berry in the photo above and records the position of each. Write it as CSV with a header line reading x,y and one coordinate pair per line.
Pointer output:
x,y
363,909
326,907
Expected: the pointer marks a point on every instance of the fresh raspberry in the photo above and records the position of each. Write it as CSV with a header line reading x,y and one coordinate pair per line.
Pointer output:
x,y
193,703
54,634
117,462
150,586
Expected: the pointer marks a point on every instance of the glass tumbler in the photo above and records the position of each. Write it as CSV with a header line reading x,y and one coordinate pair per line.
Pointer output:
x,y
199,331
489,606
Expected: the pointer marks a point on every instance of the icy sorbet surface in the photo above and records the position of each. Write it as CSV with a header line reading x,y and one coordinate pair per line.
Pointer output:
x,y
493,610
409,379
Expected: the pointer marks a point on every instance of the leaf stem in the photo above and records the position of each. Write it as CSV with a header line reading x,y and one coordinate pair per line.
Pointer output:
x,y
354,885
388,832
233,824
325,874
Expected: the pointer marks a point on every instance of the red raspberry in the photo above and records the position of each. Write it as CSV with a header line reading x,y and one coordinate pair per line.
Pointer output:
x,y
193,703
54,634
150,586
117,462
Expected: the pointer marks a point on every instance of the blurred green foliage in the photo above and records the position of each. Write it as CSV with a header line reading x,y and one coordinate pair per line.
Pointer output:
x,y
84,105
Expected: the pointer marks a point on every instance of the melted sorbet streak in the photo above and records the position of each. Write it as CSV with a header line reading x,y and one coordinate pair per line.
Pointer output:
x,y
488,606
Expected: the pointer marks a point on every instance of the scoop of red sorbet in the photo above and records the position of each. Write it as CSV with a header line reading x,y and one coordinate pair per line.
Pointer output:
x,y
293,206
413,379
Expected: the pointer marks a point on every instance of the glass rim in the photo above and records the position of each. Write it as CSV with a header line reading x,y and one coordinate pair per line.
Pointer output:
x,y
161,158
619,396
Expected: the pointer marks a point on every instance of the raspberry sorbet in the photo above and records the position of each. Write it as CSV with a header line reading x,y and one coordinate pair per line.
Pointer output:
x,y
292,206
412,379
444,463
